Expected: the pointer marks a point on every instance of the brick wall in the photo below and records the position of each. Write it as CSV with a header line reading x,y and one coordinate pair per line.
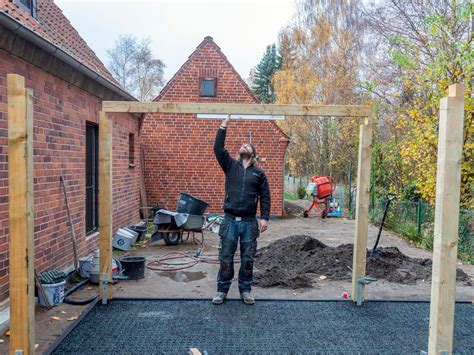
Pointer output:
x,y
60,115
178,149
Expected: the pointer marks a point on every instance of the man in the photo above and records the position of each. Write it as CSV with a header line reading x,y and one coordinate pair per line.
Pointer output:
x,y
245,184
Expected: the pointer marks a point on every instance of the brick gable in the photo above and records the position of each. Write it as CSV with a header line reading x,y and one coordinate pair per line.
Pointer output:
x,y
179,148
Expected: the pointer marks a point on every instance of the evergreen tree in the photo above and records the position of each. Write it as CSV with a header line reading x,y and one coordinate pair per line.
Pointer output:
x,y
262,81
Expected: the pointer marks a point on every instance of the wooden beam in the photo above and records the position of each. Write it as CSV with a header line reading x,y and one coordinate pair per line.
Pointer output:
x,y
20,192
105,201
362,207
248,109
445,247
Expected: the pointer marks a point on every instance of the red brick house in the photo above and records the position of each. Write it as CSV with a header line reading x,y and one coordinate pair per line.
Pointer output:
x,y
178,148
69,83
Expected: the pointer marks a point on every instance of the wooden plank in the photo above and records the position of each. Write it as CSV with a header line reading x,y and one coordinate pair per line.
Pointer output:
x,y
21,228
250,109
448,187
105,200
362,206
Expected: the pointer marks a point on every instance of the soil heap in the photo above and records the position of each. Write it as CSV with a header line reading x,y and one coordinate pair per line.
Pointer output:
x,y
299,260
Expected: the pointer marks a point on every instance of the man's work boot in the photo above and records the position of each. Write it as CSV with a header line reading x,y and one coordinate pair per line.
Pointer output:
x,y
219,298
247,298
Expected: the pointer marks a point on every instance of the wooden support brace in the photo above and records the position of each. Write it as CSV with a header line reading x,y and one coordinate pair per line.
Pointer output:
x,y
362,208
445,247
20,192
105,202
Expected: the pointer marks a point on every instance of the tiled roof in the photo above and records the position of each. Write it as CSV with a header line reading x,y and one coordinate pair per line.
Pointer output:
x,y
51,24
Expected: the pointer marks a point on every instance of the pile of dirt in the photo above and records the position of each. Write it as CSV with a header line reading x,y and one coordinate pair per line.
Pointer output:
x,y
292,210
298,261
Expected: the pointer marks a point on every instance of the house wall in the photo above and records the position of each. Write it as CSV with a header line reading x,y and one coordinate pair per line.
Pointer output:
x,y
178,149
60,114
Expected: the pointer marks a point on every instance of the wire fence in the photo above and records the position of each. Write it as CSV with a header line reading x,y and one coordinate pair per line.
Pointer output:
x,y
413,220
293,183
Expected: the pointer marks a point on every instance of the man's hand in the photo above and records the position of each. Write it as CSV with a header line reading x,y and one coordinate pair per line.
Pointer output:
x,y
263,225
225,122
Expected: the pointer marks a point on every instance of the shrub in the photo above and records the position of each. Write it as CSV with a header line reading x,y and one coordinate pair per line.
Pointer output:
x,y
301,192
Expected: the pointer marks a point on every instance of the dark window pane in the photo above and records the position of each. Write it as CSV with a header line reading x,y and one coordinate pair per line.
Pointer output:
x,y
92,178
131,148
208,87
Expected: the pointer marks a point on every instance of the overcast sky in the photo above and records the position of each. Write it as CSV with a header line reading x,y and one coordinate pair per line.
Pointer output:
x,y
241,28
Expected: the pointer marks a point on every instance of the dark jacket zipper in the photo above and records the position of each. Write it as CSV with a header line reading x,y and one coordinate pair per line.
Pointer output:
x,y
242,191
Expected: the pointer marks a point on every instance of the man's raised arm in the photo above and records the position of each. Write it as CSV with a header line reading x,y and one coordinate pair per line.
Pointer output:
x,y
222,155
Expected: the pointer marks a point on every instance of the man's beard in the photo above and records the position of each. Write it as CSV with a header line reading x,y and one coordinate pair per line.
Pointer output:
x,y
245,156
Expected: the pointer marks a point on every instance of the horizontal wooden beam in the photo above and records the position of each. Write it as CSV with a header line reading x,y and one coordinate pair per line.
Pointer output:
x,y
246,109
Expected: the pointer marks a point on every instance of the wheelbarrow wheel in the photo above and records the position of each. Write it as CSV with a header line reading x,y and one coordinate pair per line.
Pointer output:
x,y
324,214
172,238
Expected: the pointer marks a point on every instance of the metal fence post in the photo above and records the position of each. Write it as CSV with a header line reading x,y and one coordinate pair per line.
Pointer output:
x,y
419,219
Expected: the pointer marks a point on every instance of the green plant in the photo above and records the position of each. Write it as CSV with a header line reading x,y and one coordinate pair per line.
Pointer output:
x,y
288,196
301,192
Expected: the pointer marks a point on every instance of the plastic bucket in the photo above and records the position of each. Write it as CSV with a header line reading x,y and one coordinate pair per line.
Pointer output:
x,y
133,267
54,293
191,205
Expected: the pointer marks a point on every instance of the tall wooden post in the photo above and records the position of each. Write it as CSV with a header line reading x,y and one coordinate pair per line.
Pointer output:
x,y
20,191
105,202
362,206
448,187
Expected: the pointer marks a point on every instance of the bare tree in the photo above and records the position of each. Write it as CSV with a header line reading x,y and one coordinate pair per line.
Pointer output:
x,y
121,59
134,66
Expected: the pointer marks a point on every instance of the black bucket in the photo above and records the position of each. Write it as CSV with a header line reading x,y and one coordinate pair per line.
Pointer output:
x,y
133,267
191,205
141,230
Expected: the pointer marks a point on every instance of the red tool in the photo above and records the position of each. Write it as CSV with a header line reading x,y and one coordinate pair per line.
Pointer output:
x,y
321,188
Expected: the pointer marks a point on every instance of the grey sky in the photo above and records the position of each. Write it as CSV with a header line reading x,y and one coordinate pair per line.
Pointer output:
x,y
241,28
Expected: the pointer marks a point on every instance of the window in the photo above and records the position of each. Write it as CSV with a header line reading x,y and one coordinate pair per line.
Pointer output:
x,y
131,150
27,5
209,87
92,178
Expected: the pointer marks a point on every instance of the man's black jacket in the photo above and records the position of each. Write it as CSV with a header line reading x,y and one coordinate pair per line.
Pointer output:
x,y
243,187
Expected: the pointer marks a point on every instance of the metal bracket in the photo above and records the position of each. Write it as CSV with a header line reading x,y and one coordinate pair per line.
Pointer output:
x,y
361,282
105,281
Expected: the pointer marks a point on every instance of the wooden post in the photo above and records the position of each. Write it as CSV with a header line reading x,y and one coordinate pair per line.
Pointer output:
x,y
448,187
362,207
105,201
20,191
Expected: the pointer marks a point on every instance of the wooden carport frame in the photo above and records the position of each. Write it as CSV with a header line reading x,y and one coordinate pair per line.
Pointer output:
x,y
363,169
21,223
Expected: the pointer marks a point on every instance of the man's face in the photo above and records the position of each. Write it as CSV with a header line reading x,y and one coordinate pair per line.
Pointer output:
x,y
245,151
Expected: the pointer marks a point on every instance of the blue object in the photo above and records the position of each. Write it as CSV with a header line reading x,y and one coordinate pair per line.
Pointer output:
x,y
337,212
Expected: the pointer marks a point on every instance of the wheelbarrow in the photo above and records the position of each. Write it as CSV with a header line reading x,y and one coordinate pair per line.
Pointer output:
x,y
170,226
